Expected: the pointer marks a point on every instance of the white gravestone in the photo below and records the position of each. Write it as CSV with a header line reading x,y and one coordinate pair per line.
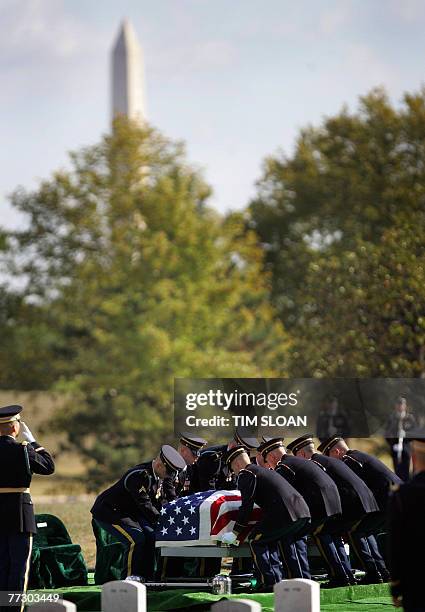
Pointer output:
x,y
236,605
297,595
124,596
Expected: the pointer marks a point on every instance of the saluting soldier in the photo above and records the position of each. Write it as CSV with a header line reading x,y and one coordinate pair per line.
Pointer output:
x,y
130,508
407,533
379,479
18,461
322,497
285,514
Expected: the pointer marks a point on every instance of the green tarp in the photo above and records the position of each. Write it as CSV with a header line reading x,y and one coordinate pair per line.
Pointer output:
x,y
371,598
55,561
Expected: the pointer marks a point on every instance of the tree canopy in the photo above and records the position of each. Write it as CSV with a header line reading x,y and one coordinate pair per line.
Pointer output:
x,y
343,228
132,280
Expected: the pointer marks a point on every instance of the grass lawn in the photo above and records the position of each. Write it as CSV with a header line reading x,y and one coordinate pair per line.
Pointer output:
x,y
77,519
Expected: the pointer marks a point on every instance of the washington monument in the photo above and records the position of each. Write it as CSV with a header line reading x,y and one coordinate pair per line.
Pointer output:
x,y
127,77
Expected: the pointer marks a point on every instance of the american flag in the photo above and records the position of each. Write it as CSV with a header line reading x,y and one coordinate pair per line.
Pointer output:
x,y
200,519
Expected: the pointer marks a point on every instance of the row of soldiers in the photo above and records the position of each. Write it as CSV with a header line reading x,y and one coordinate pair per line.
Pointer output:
x,y
334,494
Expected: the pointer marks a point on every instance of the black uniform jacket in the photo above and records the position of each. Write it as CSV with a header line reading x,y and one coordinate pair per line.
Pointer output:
x,y
406,511
211,472
280,502
18,462
378,477
356,497
188,481
137,495
311,480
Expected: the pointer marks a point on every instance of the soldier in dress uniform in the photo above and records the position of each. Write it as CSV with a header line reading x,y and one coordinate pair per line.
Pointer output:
x,y
285,514
331,420
407,533
243,565
130,508
18,461
322,497
400,422
249,443
212,469
190,449
379,479
187,483
360,511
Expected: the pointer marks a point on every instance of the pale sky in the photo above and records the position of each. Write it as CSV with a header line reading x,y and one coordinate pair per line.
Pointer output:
x,y
235,79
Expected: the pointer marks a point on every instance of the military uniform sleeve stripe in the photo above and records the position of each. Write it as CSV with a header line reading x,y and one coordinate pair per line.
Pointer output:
x,y
131,474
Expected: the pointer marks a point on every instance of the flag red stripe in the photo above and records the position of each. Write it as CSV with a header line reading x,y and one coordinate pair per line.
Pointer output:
x,y
215,506
231,515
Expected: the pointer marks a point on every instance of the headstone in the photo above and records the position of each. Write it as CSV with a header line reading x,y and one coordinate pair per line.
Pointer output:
x,y
54,606
297,595
236,605
123,596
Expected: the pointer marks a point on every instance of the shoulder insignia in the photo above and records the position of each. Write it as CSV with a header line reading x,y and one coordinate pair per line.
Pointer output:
x,y
245,471
283,465
345,457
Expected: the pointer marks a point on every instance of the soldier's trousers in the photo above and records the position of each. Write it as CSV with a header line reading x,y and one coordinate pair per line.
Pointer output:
x,y
402,467
295,559
15,558
331,548
139,544
264,544
364,545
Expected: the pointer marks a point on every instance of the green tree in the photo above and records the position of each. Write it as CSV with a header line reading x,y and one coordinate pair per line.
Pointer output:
x,y
341,221
141,283
363,313
348,179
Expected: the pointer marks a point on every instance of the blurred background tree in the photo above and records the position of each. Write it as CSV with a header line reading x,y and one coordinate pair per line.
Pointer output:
x,y
342,225
128,280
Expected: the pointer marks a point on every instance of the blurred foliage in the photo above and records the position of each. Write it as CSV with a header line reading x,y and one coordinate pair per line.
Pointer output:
x,y
342,223
128,280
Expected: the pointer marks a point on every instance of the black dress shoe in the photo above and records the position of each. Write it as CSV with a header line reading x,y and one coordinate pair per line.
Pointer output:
x,y
385,576
371,579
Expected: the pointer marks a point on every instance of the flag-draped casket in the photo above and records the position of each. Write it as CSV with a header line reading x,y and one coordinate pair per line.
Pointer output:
x,y
201,519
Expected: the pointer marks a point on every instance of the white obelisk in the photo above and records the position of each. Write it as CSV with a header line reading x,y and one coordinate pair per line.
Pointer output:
x,y
127,75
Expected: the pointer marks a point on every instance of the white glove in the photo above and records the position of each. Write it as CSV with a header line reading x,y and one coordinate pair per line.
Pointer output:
x,y
229,538
26,433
